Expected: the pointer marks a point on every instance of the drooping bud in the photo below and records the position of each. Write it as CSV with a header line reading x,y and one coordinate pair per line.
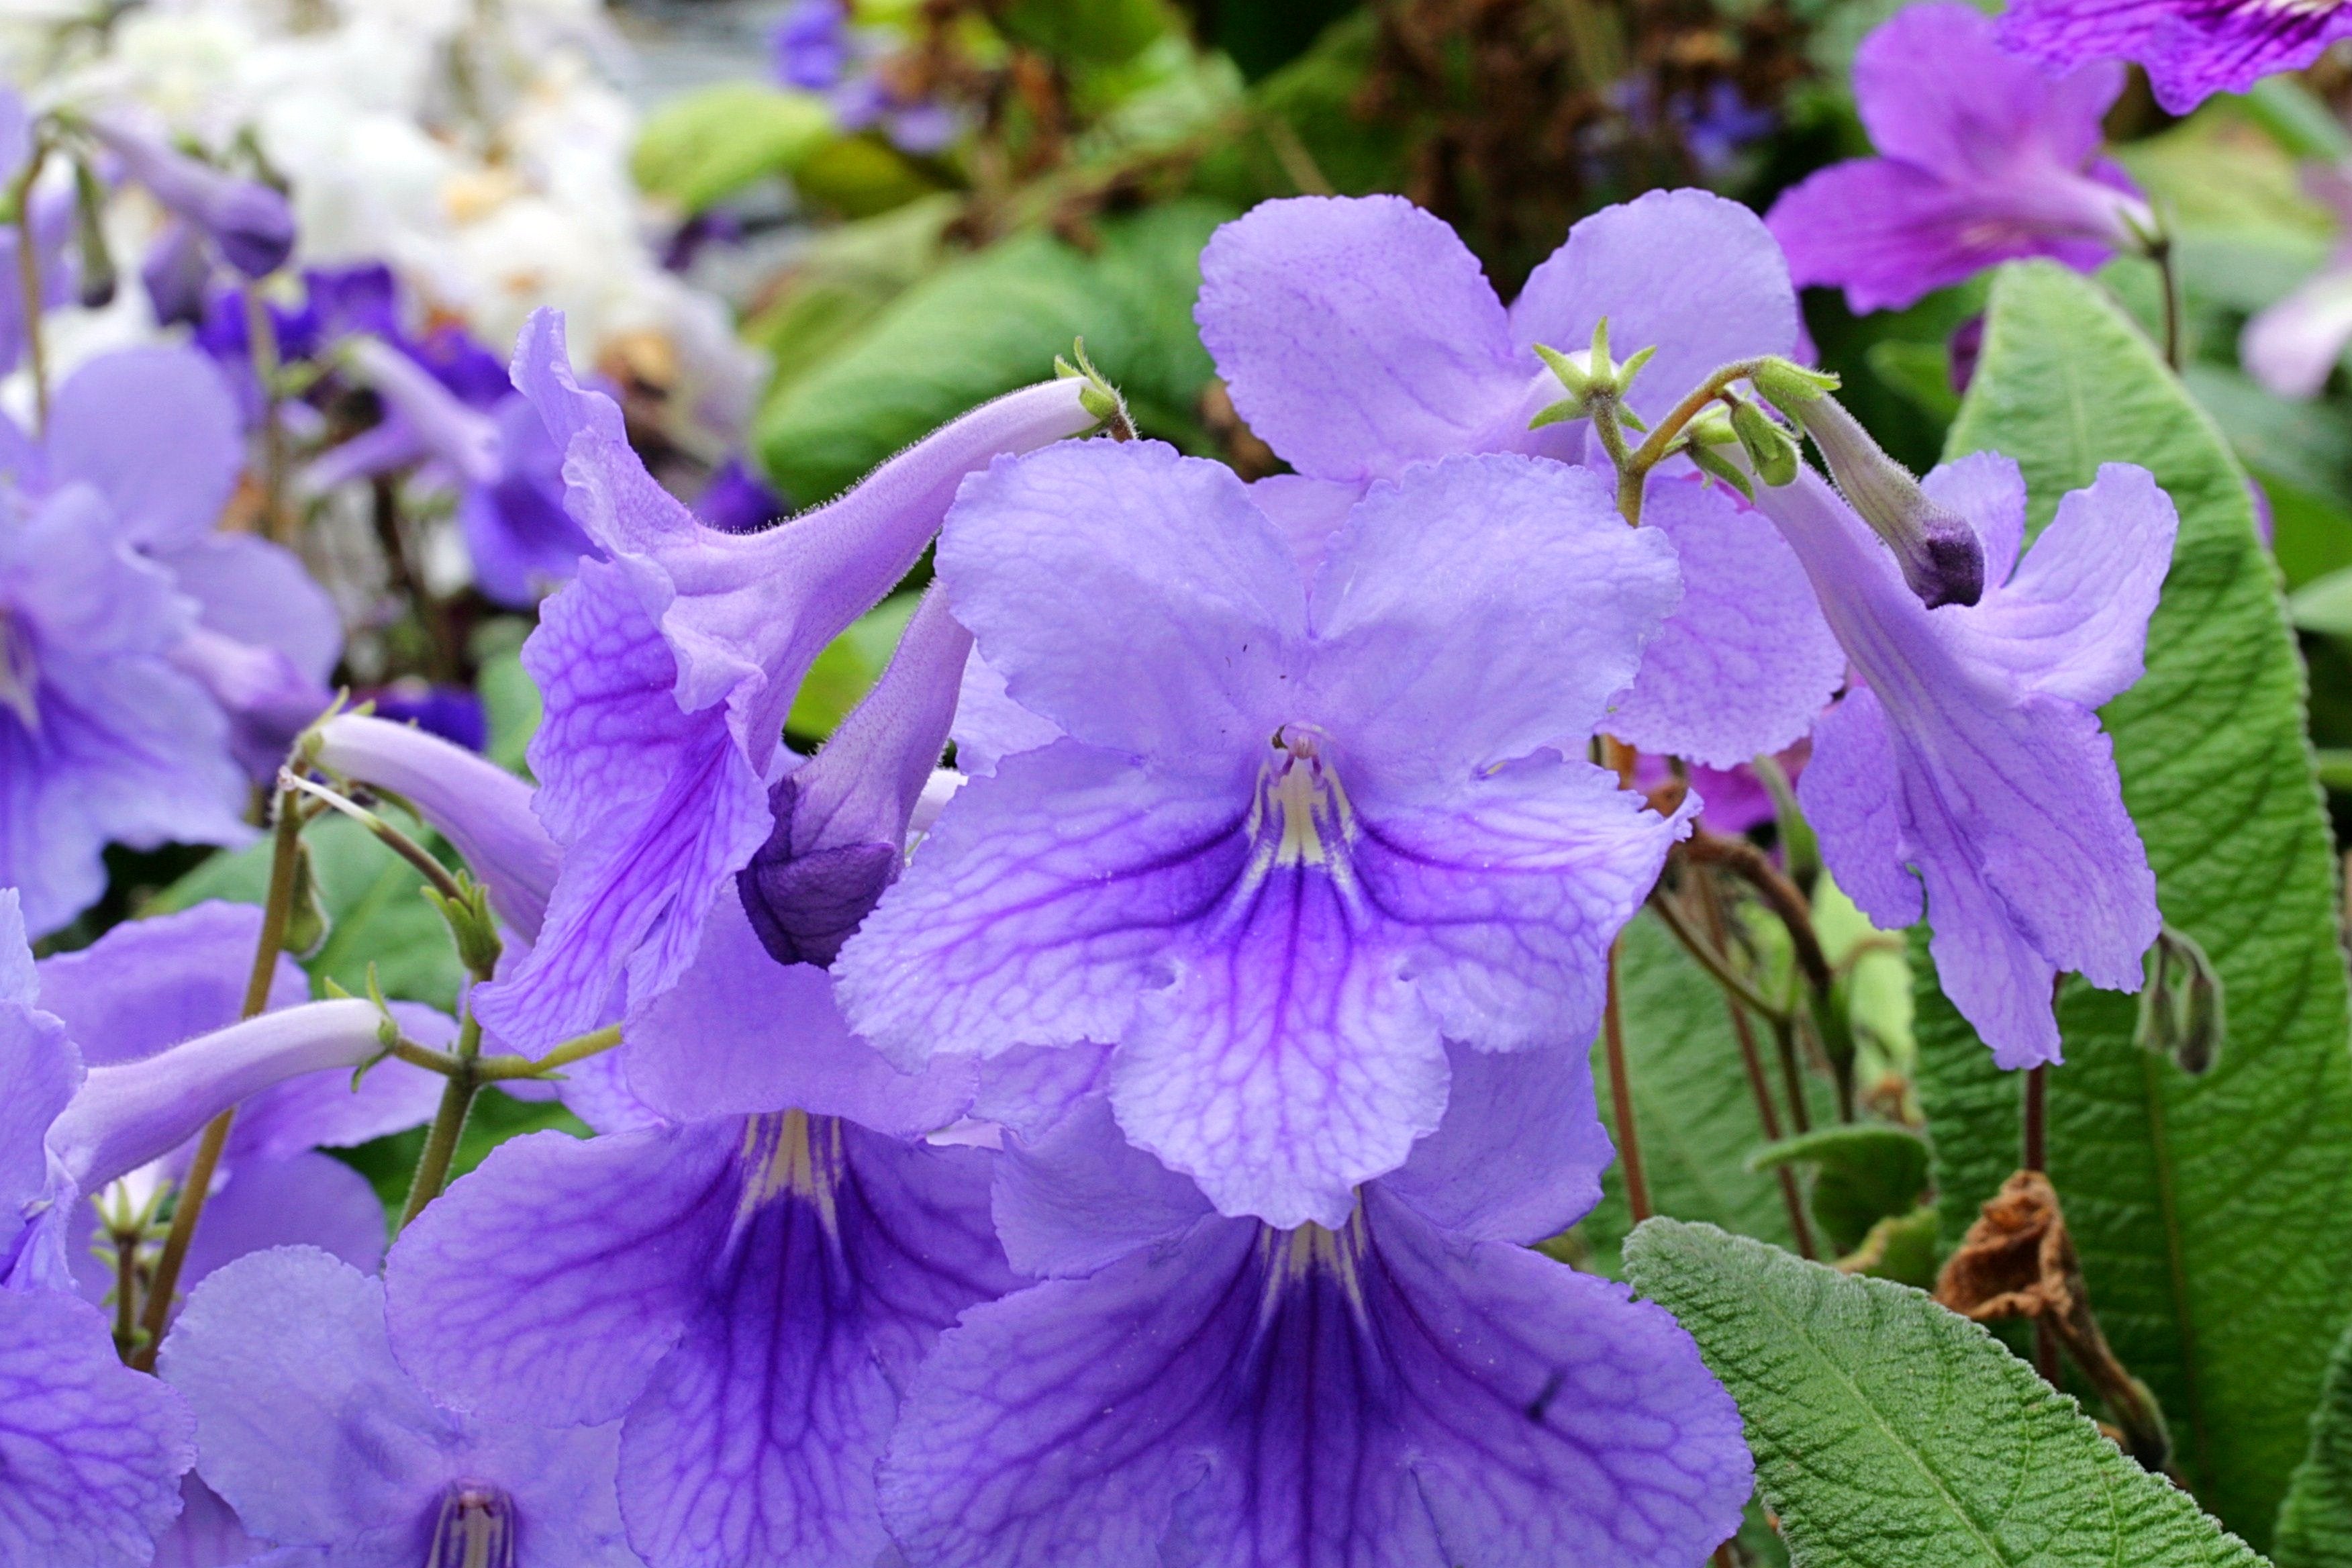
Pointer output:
x,y
1700,439
478,805
842,818
125,1115
252,223
1769,447
175,274
1099,397
1941,557
2180,1007
476,1530
97,277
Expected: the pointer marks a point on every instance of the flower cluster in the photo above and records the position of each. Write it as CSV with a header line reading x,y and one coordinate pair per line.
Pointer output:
x,y
1123,1147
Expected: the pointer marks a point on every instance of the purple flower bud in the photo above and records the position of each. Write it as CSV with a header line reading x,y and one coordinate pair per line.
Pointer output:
x,y
250,222
175,275
445,427
842,818
810,44
1942,561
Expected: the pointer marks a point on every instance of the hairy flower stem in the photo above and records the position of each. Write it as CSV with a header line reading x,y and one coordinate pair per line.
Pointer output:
x,y
1620,1098
1799,1224
1633,466
2160,250
391,837
28,278
1712,959
283,863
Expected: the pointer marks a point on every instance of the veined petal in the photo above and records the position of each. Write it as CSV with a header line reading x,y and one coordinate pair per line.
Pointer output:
x,y
1357,334
1080,1196
1937,92
1519,1154
307,1199
1132,595
1316,1400
148,985
38,1063
1048,896
1504,896
91,1452
1851,796
1289,1061
1474,610
1745,663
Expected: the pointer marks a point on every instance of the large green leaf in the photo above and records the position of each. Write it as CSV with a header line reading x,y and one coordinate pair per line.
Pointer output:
x,y
710,144
1889,1432
2209,1211
987,323
2314,1523
1697,1120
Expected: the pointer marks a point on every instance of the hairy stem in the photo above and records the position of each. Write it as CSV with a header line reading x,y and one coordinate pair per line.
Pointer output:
x,y
1621,1099
1799,1222
449,1125
201,1169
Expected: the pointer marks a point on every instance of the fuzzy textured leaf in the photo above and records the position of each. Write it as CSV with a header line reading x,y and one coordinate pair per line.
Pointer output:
x,y
2209,1211
2314,1523
1889,1432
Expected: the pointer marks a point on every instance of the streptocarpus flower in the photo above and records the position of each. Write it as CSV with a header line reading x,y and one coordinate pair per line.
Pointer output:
x,y
667,672
93,1450
2291,347
251,223
148,985
1969,751
747,1294
154,430
2192,48
1984,156
1299,835
1407,1389
1359,335
311,1431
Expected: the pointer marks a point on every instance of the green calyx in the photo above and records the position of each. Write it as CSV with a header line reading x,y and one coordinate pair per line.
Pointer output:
x,y
1097,396
1590,377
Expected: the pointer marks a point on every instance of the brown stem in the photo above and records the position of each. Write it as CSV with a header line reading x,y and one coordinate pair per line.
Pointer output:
x,y
1717,965
201,1169
28,278
1800,1225
1621,1099
1753,866
126,1292
1792,1073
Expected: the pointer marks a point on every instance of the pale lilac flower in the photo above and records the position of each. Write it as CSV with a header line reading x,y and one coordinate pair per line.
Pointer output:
x,y
1984,156
1298,834
1359,335
150,985
2192,48
746,1294
252,224
154,431
1410,1387
669,669
309,1429
2292,347
1964,772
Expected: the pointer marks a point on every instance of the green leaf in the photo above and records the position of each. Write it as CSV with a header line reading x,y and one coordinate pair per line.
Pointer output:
x,y
1692,1110
2314,1523
1920,371
374,902
2323,604
984,324
2209,1211
1092,32
1862,1174
712,143
1310,121
1889,1432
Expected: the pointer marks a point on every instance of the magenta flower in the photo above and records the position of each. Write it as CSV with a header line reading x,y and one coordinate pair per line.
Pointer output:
x,y
1410,1387
1298,834
1984,156
667,672
1964,773
1360,336
2192,48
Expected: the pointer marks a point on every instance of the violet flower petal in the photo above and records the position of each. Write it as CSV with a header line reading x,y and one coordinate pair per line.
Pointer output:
x,y
2191,51
156,430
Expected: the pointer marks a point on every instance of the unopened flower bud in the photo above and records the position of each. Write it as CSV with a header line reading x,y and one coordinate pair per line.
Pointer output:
x,y
1941,558
1786,385
2180,1007
252,223
96,271
1767,442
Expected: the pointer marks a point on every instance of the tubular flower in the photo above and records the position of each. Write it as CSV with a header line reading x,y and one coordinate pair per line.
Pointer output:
x,y
1295,836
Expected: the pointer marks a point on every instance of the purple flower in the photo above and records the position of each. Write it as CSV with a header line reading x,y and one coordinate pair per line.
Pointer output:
x,y
841,819
154,430
1410,1385
667,672
478,438
250,222
747,1294
2292,347
1298,834
148,985
1984,156
737,501
311,1431
1359,335
2192,48
1965,769
452,712
810,44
